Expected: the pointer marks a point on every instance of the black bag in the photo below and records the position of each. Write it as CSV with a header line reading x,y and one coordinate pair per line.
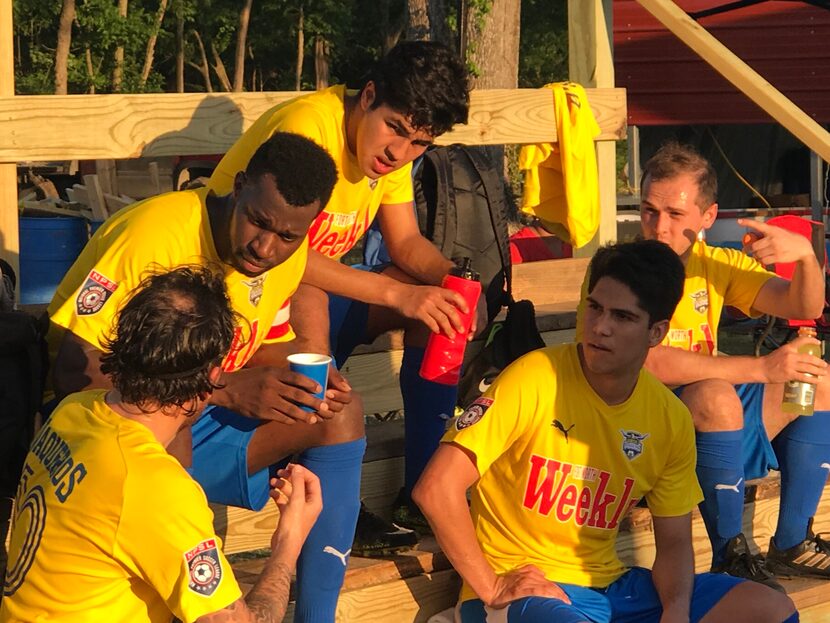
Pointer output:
x,y
460,201
506,341
23,366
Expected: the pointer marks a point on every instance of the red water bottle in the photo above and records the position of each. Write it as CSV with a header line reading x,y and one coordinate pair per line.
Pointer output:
x,y
443,356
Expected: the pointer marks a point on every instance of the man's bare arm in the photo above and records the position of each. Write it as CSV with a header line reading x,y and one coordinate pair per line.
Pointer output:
x,y
675,366
300,501
673,570
77,367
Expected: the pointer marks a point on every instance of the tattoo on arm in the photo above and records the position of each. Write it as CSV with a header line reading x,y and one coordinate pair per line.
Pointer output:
x,y
268,598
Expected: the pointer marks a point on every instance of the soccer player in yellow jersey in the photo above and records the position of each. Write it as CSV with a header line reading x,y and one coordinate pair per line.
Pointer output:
x,y
736,401
257,235
108,525
417,92
560,447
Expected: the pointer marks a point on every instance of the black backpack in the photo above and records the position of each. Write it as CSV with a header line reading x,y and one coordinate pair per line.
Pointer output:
x,y
460,202
23,366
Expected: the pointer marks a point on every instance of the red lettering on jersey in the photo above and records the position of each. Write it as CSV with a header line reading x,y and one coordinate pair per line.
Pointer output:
x,y
326,243
319,228
565,508
707,334
573,502
241,349
544,490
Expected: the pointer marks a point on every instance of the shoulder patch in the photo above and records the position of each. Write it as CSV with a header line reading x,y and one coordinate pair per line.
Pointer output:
x,y
204,567
473,413
94,293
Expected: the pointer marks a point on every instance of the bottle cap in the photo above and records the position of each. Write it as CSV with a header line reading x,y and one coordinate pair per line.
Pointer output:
x,y
465,270
808,331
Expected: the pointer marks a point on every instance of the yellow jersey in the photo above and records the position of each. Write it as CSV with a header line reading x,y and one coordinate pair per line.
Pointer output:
x,y
354,203
559,468
715,277
162,233
109,527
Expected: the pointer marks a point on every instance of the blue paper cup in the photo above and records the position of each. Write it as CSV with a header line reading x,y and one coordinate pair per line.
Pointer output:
x,y
315,367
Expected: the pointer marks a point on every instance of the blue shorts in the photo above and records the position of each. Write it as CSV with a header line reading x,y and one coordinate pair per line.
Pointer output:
x,y
348,321
220,459
757,452
631,599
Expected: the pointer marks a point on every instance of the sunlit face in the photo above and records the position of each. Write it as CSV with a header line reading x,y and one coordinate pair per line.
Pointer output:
x,y
670,213
264,229
616,335
385,140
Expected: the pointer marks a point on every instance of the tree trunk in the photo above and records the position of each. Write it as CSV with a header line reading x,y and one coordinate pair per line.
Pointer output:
x,y
298,74
151,45
239,66
417,23
491,43
180,49
62,49
321,62
118,69
90,70
390,30
219,68
204,68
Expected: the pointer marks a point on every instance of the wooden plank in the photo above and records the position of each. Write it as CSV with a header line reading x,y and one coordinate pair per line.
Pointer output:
x,y
95,198
242,530
155,182
9,234
107,176
169,124
591,64
116,203
741,75
550,282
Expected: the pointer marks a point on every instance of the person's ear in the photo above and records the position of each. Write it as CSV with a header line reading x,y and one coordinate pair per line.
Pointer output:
x,y
367,96
657,332
215,374
709,215
239,181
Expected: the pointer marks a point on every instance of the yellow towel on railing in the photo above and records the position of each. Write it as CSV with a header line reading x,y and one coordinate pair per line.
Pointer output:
x,y
560,179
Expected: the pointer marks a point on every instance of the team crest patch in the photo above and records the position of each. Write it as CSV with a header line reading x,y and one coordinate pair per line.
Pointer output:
x,y
632,445
701,299
473,413
204,567
255,287
94,293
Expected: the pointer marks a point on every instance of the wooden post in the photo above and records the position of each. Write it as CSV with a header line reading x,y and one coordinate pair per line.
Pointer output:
x,y
591,65
9,237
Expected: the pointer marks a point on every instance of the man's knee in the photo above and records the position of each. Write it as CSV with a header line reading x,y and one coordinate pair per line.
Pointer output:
x,y
752,602
714,405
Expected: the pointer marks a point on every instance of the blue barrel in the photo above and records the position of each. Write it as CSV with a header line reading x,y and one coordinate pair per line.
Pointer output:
x,y
48,247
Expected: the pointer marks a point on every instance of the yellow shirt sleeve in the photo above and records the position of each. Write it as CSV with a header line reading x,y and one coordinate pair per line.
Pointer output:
x,y
167,535
397,186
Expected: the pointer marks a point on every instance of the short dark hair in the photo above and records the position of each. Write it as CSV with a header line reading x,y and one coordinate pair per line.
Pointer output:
x,y
426,82
174,329
650,269
303,171
673,159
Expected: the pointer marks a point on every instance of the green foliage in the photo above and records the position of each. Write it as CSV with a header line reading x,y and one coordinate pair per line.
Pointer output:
x,y
543,49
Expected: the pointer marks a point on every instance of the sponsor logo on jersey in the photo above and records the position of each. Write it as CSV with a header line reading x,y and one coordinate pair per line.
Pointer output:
x,y
204,567
561,427
255,287
632,445
473,413
576,493
94,293
701,299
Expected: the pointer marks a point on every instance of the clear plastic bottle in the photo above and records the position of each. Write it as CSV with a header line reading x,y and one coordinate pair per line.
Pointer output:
x,y
799,396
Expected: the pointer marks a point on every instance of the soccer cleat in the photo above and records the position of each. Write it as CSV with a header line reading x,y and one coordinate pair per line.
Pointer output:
x,y
407,514
739,562
375,536
810,558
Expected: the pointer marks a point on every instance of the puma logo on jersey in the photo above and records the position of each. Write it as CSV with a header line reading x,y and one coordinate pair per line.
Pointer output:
x,y
328,549
561,427
723,487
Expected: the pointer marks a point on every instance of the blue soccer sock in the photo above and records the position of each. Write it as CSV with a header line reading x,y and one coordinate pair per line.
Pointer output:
x,y
427,408
803,450
721,475
322,562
